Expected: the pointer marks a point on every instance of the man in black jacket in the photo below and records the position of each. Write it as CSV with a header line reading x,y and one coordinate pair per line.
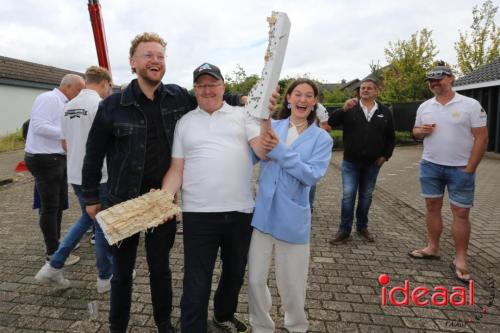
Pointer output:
x,y
134,130
369,139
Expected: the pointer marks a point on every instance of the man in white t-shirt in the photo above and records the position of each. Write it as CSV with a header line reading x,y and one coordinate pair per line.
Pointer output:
x,y
212,159
76,121
455,136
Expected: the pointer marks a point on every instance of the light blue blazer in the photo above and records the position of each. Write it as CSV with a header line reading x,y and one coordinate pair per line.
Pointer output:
x,y
282,203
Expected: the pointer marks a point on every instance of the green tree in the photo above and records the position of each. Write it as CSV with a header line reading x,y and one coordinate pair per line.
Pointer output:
x,y
285,82
483,46
409,61
334,96
240,82
376,71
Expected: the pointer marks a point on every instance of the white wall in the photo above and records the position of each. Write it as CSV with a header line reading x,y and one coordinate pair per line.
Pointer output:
x,y
15,106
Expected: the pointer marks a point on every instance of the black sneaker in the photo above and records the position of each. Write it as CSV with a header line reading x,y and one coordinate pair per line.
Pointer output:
x,y
232,325
366,235
340,238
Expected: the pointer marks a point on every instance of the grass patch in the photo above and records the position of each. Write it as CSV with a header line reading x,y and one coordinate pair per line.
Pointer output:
x,y
337,139
404,138
12,141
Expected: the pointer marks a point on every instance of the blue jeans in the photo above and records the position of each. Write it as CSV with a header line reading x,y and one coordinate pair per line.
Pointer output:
x,y
203,234
357,177
158,242
104,261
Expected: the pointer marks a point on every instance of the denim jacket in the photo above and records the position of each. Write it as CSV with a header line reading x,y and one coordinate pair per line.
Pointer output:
x,y
119,133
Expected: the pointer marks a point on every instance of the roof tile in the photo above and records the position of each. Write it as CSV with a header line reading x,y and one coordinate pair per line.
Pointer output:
x,y
16,69
484,73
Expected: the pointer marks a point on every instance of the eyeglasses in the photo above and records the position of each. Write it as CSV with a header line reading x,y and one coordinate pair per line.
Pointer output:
x,y
437,75
209,86
151,56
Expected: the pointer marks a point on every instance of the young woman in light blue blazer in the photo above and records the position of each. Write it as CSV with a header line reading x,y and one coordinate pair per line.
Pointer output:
x,y
298,153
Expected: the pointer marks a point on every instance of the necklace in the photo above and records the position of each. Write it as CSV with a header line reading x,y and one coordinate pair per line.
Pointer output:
x,y
298,125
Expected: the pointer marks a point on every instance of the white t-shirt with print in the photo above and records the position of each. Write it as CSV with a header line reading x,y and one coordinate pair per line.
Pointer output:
x,y
79,113
451,141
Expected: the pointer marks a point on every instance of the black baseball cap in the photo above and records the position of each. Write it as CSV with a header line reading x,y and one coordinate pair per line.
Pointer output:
x,y
209,69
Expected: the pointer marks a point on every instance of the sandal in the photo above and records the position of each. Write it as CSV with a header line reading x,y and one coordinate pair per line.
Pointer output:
x,y
421,254
461,274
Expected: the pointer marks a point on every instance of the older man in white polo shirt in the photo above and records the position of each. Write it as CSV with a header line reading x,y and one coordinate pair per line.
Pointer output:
x,y
455,136
212,159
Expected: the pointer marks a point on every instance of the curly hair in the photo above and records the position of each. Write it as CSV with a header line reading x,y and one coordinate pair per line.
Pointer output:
x,y
144,38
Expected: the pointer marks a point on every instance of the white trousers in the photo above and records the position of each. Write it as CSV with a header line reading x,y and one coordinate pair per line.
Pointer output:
x,y
291,265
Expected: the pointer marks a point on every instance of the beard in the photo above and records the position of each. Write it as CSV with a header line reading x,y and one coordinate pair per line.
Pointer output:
x,y
437,89
143,73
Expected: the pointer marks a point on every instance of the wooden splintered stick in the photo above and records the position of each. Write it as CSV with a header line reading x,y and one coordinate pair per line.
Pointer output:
x,y
132,216
258,98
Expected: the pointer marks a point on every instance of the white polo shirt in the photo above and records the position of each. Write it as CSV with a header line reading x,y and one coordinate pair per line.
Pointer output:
x,y
76,121
452,140
45,123
217,159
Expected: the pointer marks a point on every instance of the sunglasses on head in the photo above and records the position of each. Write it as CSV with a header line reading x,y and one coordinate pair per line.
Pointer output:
x,y
437,75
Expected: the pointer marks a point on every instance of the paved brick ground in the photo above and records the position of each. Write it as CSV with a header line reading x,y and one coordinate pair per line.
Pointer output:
x,y
8,162
343,295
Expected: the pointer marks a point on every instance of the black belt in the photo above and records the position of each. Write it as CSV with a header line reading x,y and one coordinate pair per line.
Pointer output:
x,y
35,155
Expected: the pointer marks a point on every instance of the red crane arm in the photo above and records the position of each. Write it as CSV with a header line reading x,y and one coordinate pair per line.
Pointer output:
x,y
99,34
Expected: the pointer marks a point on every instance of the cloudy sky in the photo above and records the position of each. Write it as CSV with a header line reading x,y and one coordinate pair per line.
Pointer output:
x,y
330,40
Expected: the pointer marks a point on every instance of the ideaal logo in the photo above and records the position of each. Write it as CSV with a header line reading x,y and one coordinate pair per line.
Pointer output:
x,y
418,296
439,296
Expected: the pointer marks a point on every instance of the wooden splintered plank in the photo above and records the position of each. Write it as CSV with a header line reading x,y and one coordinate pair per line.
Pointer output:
x,y
258,98
132,216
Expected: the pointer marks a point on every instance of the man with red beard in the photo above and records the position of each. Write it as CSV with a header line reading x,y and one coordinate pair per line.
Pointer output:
x,y
455,136
134,129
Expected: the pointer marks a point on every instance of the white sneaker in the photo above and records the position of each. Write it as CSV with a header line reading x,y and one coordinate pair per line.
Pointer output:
x,y
103,285
77,246
71,260
52,276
